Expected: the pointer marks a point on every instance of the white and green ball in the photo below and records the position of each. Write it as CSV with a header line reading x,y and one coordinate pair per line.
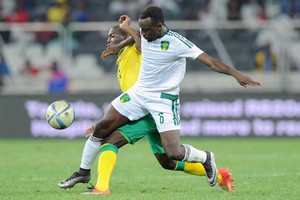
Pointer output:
x,y
60,114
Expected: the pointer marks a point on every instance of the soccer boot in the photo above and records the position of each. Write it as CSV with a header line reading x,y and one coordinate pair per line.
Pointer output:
x,y
227,182
73,180
211,169
93,190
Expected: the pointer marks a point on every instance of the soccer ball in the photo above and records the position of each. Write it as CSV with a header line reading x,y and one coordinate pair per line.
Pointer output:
x,y
60,114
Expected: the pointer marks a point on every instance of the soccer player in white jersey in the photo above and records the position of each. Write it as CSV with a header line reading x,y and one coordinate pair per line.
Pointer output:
x,y
157,92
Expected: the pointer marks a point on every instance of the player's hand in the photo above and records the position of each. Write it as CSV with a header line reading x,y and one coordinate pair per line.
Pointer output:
x,y
110,50
124,20
88,132
246,81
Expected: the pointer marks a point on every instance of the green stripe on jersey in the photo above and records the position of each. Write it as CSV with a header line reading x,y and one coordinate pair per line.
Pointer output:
x,y
169,96
181,38
175,106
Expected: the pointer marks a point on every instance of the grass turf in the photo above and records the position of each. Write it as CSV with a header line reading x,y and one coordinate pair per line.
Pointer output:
x,y
263,168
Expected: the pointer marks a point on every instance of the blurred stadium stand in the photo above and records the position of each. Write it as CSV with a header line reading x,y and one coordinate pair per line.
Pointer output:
x,y
77,45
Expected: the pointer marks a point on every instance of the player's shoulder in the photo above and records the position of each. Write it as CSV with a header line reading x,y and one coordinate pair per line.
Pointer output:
x,y
129,47
178,38
173,34
132,48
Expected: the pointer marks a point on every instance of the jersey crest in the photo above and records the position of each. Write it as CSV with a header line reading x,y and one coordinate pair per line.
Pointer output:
x,y
124,98
164,45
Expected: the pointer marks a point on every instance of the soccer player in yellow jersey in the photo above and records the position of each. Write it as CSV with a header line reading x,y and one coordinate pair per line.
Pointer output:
x,y
127,76
129,60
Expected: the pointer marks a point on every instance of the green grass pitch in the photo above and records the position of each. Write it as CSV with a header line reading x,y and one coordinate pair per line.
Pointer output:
x,y
263,168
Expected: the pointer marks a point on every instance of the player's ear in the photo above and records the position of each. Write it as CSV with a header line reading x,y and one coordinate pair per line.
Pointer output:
x,y
160,25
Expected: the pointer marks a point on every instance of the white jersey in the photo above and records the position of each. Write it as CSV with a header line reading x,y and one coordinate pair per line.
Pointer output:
x,y
164,62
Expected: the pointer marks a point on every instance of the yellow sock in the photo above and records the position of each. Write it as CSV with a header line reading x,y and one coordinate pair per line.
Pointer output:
x,y
106,164
219,178
193,168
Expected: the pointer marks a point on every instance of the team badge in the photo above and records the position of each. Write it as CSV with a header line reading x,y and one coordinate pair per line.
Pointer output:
x,y
124,98
164,45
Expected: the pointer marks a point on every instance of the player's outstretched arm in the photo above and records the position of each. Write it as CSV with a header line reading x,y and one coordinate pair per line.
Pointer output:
x,y
221,67
125,22
114,49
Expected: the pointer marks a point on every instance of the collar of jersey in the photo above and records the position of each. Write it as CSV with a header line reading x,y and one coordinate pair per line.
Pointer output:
x,y
165,33
121,50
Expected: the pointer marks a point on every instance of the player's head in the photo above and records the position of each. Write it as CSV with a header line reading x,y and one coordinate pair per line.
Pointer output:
x,y
115,35
152,23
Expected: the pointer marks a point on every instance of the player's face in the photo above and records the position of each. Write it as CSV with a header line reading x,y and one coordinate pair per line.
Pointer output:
x,y
114,37
148,30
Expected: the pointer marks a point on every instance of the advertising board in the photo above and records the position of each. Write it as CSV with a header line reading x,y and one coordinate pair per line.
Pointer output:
x,y
222,115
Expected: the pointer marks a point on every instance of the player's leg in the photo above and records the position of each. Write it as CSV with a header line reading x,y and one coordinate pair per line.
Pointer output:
x,y
224,176
122,109
129,133
164,108
187,153
167,163
189,168
107,160
225,181
111,121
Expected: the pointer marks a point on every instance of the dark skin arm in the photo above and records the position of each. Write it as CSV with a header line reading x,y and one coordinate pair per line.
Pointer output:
x,y
134,38
125,22
220,67
216,64
114,49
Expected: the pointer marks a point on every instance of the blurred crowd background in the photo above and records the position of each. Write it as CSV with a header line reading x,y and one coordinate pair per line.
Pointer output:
x,y
54,45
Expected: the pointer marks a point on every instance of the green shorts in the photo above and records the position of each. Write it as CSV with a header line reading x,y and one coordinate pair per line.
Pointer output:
x,y
136,130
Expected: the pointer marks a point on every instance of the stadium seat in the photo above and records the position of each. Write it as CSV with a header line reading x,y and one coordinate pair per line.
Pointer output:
x,y
10,52
54,51
87,66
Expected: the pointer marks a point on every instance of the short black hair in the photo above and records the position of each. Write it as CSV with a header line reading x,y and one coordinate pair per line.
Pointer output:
x,y
118,30
155,13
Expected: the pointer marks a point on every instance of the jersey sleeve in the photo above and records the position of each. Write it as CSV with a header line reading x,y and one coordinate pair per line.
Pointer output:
x,y
186,49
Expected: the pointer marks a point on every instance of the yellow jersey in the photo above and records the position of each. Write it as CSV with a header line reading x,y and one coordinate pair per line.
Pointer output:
x,y
129,62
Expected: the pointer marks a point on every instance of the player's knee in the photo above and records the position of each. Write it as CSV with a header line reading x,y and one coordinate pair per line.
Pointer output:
x,y
115,138
101,129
